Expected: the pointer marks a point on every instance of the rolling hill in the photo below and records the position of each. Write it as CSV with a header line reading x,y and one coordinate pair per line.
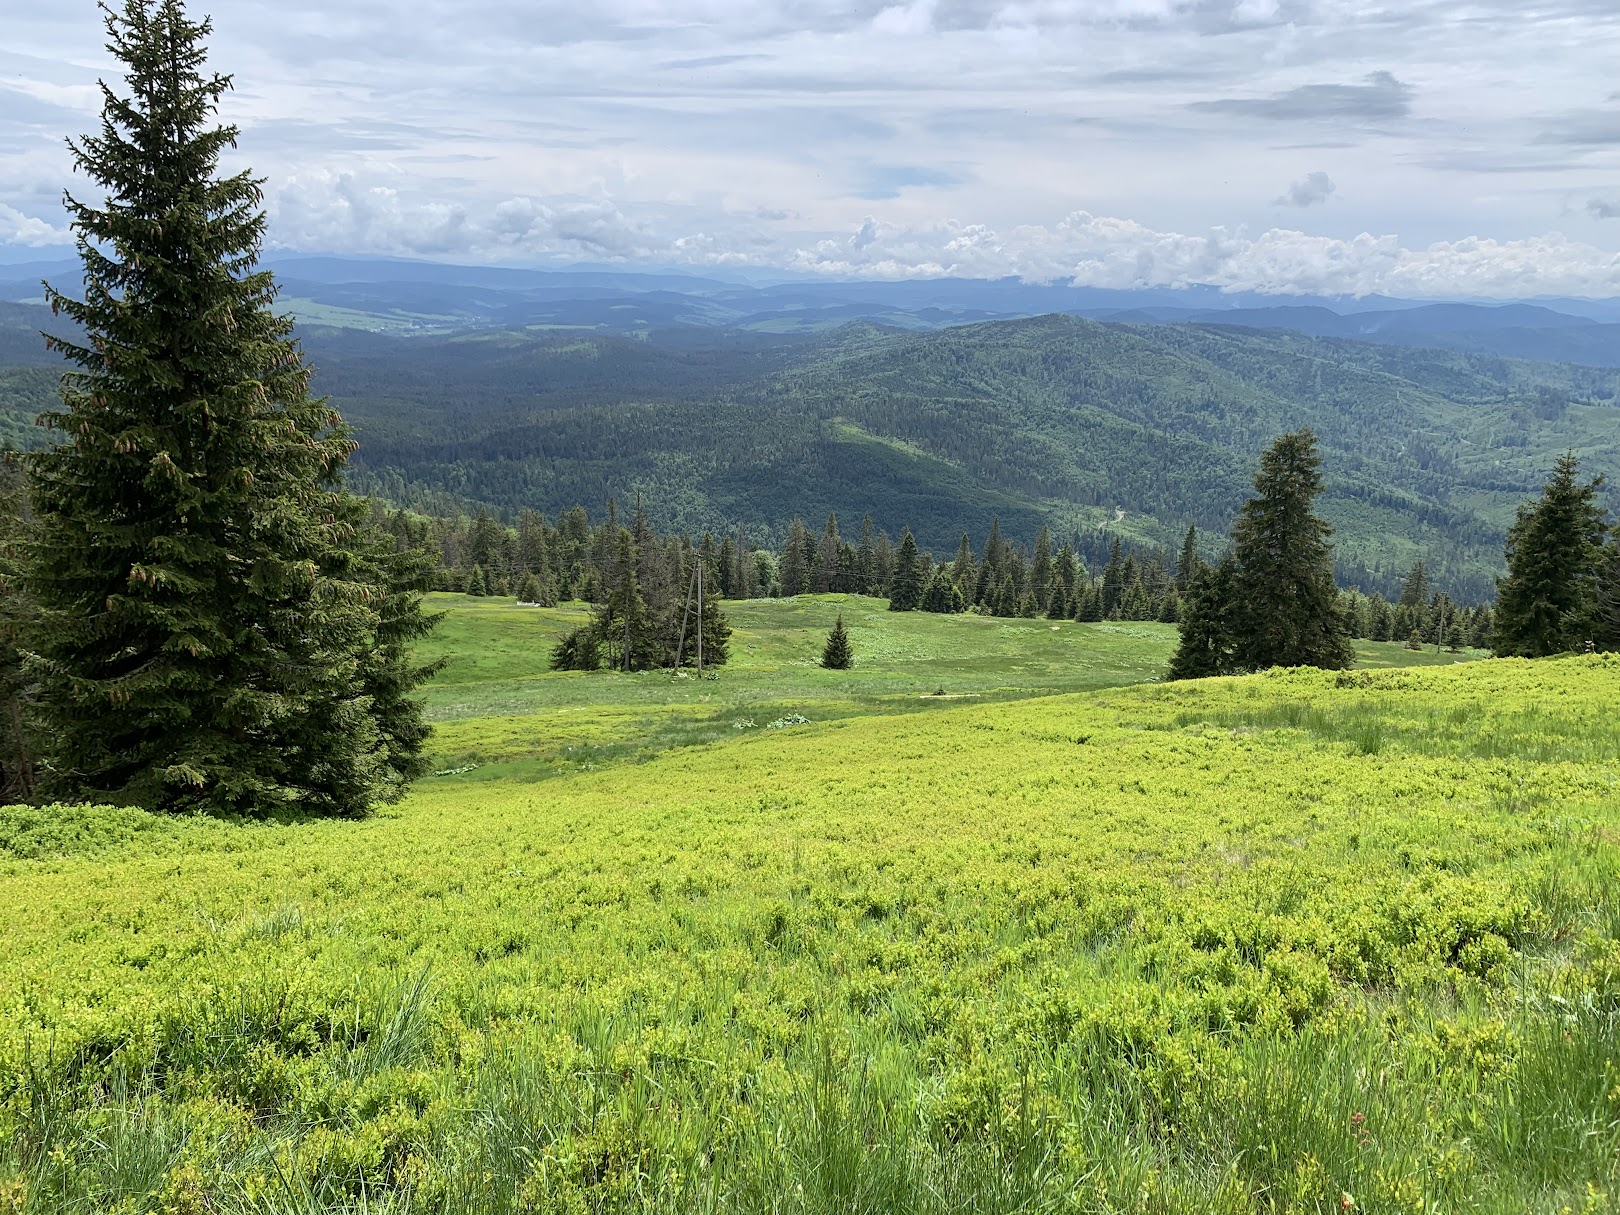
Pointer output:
x,y
1095,428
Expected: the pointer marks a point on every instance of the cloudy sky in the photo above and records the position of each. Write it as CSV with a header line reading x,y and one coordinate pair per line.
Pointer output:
x,y
1414,147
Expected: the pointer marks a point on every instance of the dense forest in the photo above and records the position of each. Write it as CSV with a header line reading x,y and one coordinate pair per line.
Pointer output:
x,y
1094,430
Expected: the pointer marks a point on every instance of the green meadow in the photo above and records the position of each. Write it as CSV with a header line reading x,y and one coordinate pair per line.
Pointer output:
x,y
498,705
1060,939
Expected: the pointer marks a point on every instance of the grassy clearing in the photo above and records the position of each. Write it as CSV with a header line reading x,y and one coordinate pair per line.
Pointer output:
x,y
1173,948
497,705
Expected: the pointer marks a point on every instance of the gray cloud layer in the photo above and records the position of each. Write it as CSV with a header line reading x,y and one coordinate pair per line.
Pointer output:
x,y
1380,99
1114,140
1312,189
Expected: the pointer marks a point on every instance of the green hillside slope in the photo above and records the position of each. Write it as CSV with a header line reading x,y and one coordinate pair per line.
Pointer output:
x,y
1095,429
1296,942
1053,419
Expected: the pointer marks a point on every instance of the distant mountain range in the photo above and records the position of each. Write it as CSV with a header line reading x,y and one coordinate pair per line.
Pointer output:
x,y
404,297
721,403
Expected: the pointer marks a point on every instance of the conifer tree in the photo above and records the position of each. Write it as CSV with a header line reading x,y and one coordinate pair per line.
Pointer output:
x,y
1189,563
622,622
963,572
484,540
984,586
1135,604
1380,619
795,571
836,654
882,564
1004,601
728,569
1415,590
716,631
1065,570
388,673
1113,580
533,548
906,583
1287,605
1606,621
941,595
865,557
1040,570
1548,603
995,551
17,744
1207,646
746,583
824,577
1273,601
529,590
208,609
1088,607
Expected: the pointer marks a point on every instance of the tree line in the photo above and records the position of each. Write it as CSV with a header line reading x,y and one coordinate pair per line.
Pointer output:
x,y
1094,578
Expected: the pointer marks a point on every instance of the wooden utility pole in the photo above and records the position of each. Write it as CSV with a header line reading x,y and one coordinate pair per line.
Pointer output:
x,y
700,613
686,611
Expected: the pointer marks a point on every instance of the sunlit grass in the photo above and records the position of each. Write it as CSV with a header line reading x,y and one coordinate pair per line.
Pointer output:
x,y
498,705
1265,944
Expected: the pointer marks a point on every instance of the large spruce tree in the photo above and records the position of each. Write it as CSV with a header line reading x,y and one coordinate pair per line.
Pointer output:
x,y
1288,606
1275,604
1550,600
217,631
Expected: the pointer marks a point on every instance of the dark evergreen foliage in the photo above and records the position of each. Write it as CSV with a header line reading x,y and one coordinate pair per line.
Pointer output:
x,y
18,745
214,624
1189,563
1208,643
1549,601
1088,609
836,655
628,631
1606,618
1288,605
1281,607
942,595
906,583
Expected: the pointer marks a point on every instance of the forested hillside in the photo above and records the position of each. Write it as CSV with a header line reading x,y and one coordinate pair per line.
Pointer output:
x,y
1053,419
1137,430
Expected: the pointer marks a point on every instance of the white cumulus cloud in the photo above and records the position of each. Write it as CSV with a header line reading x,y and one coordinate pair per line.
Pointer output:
x,y
19,229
